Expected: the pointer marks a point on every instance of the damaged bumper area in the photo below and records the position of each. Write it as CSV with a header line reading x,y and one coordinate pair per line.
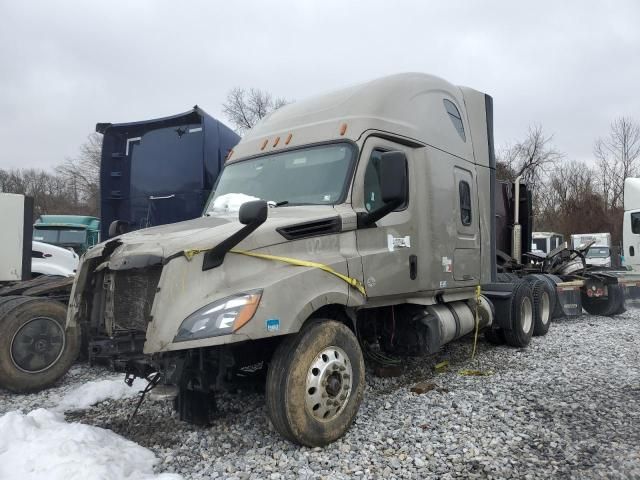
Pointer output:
x,y
117,299
112,300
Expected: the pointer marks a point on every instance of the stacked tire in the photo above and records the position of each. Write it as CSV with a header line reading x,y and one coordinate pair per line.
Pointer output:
x,y
35,349
612,304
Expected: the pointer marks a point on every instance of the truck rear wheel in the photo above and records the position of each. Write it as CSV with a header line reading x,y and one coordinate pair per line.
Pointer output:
x,y
315,383
35,350
605,307
554,301
522,323
541,308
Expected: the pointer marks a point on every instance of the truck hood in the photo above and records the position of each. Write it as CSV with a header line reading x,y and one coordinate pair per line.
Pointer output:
x,y
206,232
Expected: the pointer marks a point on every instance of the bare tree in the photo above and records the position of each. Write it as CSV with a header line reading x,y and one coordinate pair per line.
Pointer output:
x,y
530,158
82,173
618,157
245,108
73,187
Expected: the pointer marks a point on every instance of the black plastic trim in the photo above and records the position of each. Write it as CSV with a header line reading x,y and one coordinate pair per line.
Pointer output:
x,y
313,228
488,106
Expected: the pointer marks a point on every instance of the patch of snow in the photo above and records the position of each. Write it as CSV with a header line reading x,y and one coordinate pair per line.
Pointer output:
x,y
98,391
41,445
230,202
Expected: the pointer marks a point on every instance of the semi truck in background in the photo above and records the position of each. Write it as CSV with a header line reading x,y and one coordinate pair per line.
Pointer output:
x,y
152,172
369,224
599,253
546,241
159,171
78,232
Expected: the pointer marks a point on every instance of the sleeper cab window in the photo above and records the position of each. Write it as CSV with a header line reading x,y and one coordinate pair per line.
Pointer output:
x,y
465,203
635,222
372,191
456,118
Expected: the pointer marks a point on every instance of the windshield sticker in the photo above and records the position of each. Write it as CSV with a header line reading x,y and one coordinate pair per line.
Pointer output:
x,y
447,265
273,325
398,242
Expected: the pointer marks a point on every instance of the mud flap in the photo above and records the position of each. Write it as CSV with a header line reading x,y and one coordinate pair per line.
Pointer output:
x,y
570,300
632,293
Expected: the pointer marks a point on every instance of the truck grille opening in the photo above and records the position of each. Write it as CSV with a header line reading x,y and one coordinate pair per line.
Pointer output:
x,y
134,293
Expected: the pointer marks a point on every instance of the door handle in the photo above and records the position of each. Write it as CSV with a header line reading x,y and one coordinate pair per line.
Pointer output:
x,y
413,267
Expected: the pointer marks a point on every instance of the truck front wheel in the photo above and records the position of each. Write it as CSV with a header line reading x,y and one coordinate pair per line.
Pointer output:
x,y
315,383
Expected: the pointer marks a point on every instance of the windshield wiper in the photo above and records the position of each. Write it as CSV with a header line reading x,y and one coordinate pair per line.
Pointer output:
x,y
273,204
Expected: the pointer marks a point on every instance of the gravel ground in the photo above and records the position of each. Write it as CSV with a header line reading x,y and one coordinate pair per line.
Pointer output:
x,y
567,406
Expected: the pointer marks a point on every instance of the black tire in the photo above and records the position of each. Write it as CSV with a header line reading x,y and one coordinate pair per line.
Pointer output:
x,y
294,367
522,323
541,307
556,308
605,307
35,350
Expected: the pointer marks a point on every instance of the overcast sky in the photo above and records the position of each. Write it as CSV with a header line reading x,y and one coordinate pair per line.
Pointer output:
x,y
571,67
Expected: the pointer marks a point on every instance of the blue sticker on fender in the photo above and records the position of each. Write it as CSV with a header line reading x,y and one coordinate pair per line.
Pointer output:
x,y
273,325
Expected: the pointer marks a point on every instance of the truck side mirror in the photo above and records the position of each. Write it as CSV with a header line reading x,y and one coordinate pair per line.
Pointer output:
x,y
253,212
118,227
251,215
393,187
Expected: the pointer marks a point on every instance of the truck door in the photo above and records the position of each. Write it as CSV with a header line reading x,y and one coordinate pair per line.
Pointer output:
x,y
385,248
466,256
631,239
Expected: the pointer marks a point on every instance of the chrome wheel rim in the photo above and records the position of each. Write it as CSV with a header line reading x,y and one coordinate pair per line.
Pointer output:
x,y
545,308
37,345
526,313
328,384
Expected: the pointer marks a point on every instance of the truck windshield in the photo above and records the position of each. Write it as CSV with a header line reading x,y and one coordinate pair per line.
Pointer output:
x,y
73,237
598,252
60,237
540,244
310,176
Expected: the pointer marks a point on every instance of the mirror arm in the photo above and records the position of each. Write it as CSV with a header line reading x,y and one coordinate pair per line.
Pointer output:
x,y
213,258
369,219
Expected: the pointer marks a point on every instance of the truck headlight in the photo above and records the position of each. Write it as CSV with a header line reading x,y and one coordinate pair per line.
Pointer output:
x,y
219,318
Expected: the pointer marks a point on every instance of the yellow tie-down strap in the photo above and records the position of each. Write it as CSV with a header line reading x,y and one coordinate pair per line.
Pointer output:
x,y
354,282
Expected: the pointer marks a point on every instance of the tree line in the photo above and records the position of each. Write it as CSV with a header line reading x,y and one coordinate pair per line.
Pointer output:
x,y
569,196
71,187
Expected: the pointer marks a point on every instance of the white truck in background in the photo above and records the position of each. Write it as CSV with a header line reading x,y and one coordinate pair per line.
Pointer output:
x,y
599,254
47,259
631,224
546,241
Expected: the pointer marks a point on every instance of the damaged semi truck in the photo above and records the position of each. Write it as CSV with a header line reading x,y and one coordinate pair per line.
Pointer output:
x,y
370,226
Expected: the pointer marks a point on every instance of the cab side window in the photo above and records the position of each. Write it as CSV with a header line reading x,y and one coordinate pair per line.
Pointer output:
x,y
465,203
372,193
635,222
455,117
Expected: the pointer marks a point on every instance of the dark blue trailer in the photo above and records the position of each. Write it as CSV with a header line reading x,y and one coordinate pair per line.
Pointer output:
x,y
160,171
